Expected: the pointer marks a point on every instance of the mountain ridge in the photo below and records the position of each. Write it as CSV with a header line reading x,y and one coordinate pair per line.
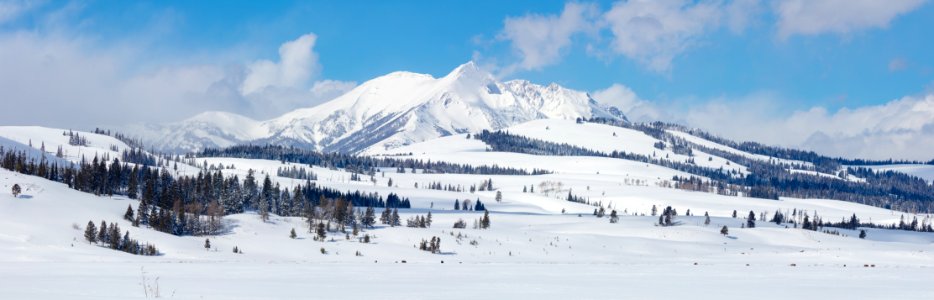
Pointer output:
x,y
393,110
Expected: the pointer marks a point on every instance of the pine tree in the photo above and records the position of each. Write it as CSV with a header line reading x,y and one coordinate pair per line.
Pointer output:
x,y
102,232
706,219
386,216
395,218
485,221
292,234
207,244
428,220
499,196
862,233
129,214
724,230
133,184
114,236
654,210
457,204
751,220
734,214
613,217
369,217
90,232
321,232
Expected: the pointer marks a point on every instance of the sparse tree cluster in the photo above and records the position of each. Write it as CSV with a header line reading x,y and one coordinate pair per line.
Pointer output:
x,y
433,246
110,236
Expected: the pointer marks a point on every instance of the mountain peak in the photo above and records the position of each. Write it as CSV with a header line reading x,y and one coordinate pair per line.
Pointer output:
x,y
469,70
393,110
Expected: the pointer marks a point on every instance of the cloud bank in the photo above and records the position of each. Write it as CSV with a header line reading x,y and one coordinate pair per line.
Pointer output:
x,y
902,128
64,80
655,33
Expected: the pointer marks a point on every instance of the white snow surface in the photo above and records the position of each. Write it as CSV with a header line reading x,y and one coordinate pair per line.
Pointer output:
x,y
533,250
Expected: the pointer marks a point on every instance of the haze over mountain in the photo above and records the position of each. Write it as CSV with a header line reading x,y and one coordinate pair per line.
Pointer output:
x,y
389,111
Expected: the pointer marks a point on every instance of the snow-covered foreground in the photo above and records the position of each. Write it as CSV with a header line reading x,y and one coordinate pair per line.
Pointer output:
x,y
536,255
254,280
539,246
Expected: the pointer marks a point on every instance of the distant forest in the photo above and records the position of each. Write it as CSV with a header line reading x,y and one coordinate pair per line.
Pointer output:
x,y
359,164
766,179
190,205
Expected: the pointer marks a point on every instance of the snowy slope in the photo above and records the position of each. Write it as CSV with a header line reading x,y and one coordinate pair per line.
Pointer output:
x,y
539,245
531,245
397,109
21,137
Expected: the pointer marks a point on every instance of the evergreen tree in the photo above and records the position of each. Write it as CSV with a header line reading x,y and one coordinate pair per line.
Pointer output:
x,y
321,232
734,214
613,217
428,220
862,233
292,234
133,185
457,204
706,219
207,244
113,236
90,232
16,190
369,217
129,214
395,218
499,196
751,220
386,216
485,221
724,230
102,232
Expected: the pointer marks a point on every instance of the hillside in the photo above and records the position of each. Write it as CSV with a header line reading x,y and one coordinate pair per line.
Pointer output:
x,y
41,231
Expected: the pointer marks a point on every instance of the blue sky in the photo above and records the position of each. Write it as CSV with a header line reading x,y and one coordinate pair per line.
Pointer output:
x,y
821,60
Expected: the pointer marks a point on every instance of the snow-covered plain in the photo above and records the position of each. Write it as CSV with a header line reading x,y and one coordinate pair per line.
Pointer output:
x,y
531,251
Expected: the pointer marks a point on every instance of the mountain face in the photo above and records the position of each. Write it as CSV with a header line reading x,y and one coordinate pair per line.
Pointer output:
x,y
390,111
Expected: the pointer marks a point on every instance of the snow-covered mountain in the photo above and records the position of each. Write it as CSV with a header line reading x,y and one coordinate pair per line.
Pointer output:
x,y
393,110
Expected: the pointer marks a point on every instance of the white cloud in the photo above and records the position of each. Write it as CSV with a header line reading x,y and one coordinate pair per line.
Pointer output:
x,y
740,14
812,17
10,10
901,129
539,40
68,81
652,33
297,63
897,64
628,102
655,32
